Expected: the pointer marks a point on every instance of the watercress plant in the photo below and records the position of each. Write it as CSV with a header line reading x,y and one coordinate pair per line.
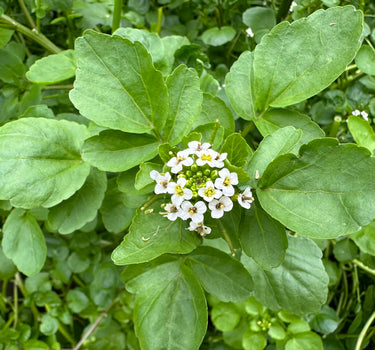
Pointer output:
x,y
204,210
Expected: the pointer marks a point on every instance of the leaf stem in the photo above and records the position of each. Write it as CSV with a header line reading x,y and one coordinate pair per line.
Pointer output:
x,y
214,132
335,126
15,302
160,19
364,331
227,238
27,14
95,324
65,333
116,15
363,266
248,128
32,34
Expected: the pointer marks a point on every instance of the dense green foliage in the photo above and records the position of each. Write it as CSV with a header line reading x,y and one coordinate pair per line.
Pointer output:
x,y
98,96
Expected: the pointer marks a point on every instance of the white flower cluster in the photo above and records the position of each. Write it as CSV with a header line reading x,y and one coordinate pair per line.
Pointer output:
x,y
199,184
363,114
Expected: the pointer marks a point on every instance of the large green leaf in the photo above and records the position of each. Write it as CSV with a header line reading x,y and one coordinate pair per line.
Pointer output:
x,y
237,148
299,285
365,59
114,150
151,235
170,310
239,86
23,242
214,108
263,238
220,274
285,140
40,161
365,238
53,68
325,193
296,61
362,132
81,208
117,86
277,118
185,99
116,215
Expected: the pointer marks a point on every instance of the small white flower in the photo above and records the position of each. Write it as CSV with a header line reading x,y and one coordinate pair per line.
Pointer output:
x,y
245,199
249,33
364,115
179,193
206,157
225,182
292,6
356,112
161,180
196,146
219,206
193,211
219,160
200,228
172,211
209,192
182,158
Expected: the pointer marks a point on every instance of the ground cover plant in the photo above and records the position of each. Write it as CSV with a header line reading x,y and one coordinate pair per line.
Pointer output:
x,y
187,175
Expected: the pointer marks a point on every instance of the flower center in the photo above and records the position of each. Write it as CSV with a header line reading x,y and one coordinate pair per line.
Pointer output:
x,y
192,210
209,192
206,157
220,206
173,209
164,183
179,159
179,191
226,181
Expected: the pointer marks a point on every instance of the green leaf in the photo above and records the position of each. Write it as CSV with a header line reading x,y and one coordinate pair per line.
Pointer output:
x,y
12,69
167,294
299,285
53,68
7,268
325,193
260,20
117,86
237,148
263,238
82,207
253,341
362,132
295,61
23,242
218,36
151,235
116,215
185,100
211,131
214,108
304,341
5,35
365,238
114,150
326,321
239,86
40,161
285,140
275,119
220,275
365,60
143,179
225,316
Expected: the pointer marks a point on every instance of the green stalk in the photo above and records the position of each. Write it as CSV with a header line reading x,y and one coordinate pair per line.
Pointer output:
x,y
335,126
363,266
160,19
364,331
32,34
214,132
27,14
227,238
116,15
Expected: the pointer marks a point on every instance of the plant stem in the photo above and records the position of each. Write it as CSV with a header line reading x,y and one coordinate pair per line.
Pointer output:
x,y
363,266
160,19
214,132
15,302
65,333
227,239
116,15
248,128
335,126
27,14
364,331
32,34
95,324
